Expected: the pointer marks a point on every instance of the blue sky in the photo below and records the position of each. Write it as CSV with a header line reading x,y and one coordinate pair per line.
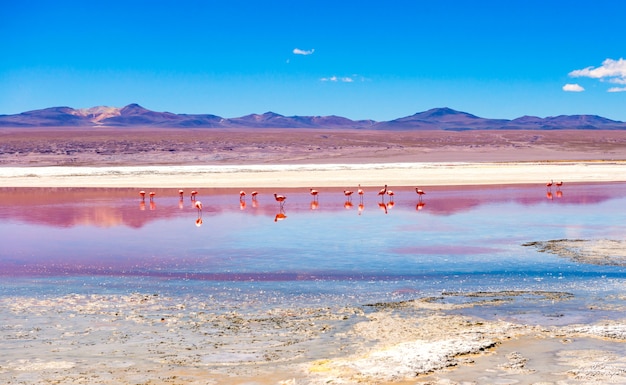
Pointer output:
x,y
358,59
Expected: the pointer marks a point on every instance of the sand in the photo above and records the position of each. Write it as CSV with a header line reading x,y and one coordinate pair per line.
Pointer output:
x,y
143,339
304,158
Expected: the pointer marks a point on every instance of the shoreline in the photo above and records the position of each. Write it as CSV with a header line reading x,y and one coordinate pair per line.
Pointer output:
x,y
319,175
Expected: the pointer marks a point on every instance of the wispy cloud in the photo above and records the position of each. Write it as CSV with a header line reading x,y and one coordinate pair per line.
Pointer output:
x,y
573,88
612,71
617,89
298,51
344,79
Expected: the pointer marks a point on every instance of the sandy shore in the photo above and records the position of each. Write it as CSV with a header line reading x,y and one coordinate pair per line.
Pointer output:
x,y
102,157
306,175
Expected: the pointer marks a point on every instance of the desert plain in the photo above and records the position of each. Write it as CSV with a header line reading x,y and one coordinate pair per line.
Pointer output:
x,y
422,341
304,157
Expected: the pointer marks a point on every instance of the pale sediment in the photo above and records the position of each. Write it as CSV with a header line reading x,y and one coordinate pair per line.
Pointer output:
x,y
304,175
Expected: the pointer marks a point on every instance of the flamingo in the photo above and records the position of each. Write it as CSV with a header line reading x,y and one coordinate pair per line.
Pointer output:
x,y
254,194
391,194
549,184
348,194
313,193
382,192
152,194
198,205
419,192
180,193
193,195
559,184
142,194
280,199
242,195
360,192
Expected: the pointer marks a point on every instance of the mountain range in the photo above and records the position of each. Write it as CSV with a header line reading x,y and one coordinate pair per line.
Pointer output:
x,y
135,115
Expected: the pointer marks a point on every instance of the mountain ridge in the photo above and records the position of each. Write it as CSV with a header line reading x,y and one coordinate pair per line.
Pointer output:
x,y
444,118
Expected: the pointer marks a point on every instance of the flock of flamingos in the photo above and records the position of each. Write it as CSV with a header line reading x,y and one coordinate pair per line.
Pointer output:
x,y
315,202
282,198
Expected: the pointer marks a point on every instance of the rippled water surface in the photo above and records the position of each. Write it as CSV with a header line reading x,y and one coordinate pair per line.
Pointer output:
x,y
456,239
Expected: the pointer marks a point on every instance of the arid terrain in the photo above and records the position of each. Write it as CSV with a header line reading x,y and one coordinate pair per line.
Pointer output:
x,y
140,147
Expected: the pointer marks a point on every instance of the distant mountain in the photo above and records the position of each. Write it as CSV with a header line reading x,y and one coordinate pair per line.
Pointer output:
x,y
135,115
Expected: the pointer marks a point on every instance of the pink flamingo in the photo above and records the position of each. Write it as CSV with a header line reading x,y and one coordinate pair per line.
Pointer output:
x,y
152,194
142,194
382,192
314,193
180,193
254,194
360,192
391,195
193,195
280,199
419,192
198,206
242,195
348,194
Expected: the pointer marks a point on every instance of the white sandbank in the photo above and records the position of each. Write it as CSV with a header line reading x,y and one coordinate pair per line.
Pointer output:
x,y
305,175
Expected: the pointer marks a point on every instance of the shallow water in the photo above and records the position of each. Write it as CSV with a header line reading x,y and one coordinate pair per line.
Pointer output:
x,y
333,251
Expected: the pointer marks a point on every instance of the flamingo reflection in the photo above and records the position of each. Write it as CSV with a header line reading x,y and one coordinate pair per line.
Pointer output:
x,y
242,204
152,205
390,204
361,207
549,195
559,194
347,204
280,216
142,205
315,204
199,222
420,206
382,206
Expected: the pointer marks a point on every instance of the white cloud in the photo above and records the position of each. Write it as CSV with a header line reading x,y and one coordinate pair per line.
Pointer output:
x,y
345,79
298,51
617,89
573,88
613,71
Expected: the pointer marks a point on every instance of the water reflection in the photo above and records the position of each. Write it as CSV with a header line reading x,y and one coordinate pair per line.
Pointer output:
x,y
67,207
